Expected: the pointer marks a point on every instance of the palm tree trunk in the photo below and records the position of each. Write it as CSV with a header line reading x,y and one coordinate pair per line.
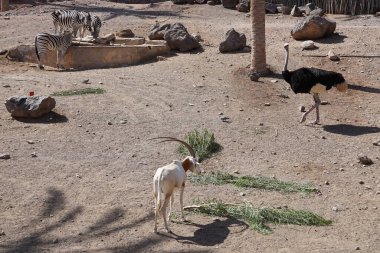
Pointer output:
x,y
258,57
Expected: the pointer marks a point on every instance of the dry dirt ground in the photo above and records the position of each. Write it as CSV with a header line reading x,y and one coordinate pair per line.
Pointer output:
x,y
89,188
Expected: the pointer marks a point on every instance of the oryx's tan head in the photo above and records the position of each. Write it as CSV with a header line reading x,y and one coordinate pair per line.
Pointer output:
x,y
190,162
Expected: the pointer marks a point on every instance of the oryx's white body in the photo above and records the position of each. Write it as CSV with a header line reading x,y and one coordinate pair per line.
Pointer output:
x,y
166,180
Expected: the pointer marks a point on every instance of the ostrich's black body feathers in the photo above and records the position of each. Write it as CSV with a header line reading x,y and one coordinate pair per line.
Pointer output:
x,y
303,79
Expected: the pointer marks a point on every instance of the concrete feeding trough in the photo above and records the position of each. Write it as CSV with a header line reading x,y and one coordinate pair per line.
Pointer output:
x,y
84,55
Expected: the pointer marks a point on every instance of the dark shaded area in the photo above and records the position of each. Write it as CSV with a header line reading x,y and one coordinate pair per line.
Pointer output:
x,y
210,234
364,88
332,39
35,241
54,202
49,118
351,130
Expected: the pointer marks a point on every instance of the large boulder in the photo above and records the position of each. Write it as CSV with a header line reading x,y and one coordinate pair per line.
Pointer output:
x,y
243,5
29,107
230,4
313,27
233,41
177,37
158,31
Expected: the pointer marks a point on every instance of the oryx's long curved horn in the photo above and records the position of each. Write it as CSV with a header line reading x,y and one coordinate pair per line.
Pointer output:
x,y
191,150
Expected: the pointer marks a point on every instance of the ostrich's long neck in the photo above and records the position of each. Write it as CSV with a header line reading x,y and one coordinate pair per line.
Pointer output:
x,y
286,60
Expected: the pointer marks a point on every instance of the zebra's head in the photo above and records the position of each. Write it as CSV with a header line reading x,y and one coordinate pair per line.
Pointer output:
x,y
86,20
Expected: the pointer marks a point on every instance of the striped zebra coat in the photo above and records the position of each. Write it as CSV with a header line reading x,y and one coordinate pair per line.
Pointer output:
x,y
47,41
96,23
71,20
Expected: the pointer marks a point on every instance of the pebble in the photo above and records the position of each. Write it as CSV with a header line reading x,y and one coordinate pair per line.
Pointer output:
x,y
327,183
242,194
34,154
86,81
267,104
78,176
357,248
5,156
55,240
302,108
109,122
324,102
30,141
123,122
236,172
2,233
6,86
335,208
191,104
216,219
365,160
361,182
274,81
100,82
376,143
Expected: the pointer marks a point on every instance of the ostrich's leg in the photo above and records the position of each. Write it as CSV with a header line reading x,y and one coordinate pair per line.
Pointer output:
x,y
317,103
315,106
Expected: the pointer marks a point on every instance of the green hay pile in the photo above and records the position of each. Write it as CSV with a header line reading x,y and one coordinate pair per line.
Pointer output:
x,y
79,92
256,218
252,182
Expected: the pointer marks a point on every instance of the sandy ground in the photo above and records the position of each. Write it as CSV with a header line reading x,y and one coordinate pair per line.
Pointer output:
x,y
89,188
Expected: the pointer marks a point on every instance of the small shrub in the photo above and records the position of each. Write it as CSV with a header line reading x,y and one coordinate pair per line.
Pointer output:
x,y
203,144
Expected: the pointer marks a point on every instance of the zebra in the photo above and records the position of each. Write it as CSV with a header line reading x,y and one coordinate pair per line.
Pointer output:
x,y
47,41
71,20
96,23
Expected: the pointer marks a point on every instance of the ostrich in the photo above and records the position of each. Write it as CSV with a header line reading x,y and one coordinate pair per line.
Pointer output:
x,y
312,80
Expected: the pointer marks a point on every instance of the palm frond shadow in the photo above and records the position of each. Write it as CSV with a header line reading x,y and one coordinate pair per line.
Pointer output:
x,y
351,130
54,206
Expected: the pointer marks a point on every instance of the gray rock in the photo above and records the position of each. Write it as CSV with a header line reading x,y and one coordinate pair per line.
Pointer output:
x,y
230,4
5,156
177,37
158,31
233,41
317,12
332,56
126,33
309,7
286,10
313,27
243,6
296,12
308,45
29,107
365,160
270,8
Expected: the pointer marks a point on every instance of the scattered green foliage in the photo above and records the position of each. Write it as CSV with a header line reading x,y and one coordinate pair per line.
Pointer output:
x,y
257,218
79,92
203,144
266,183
